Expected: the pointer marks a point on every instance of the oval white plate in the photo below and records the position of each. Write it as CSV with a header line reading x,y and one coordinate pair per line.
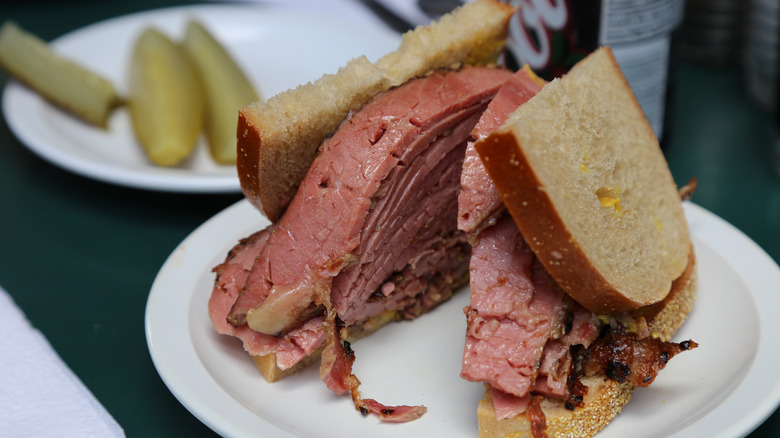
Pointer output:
x,y
725,388
278,48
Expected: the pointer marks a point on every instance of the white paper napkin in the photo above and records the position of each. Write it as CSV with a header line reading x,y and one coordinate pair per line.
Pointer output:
x,y
39,395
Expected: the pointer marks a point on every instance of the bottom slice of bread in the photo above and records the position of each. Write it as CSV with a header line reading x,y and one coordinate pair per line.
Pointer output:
x,y
605,397
603,402
272,373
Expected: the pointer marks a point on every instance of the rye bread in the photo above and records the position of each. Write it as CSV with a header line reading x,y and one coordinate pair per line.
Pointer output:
x,y
581,171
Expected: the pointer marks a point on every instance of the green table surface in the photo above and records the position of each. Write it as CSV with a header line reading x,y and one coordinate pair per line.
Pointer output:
x,y
79,256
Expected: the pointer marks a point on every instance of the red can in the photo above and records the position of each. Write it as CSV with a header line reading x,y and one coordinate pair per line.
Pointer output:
x,y
552,35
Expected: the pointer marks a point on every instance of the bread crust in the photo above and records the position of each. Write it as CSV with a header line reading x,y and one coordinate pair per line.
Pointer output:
x,y
666,317
537,218
605,398
249,143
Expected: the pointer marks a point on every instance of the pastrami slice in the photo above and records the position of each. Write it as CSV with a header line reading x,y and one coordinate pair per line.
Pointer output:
x,y
479,200
363,169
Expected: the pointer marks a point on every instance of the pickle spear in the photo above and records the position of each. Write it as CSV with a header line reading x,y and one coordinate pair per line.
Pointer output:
x,y
226,87
165,98
61,81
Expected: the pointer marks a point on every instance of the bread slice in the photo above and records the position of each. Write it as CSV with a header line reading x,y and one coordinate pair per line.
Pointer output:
x,y
582,174
605,397
279,138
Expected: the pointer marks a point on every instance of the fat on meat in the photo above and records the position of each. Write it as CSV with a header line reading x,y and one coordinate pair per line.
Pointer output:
x,y
479,201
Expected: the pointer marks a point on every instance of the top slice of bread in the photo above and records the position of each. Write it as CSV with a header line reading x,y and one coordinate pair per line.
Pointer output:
x,y
582,174
279,138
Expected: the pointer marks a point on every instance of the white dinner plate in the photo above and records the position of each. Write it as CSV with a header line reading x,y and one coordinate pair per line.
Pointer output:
x,y
724,388
278,48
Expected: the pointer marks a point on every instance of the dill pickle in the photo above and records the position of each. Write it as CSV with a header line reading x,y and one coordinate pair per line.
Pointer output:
x,y
165,99
61,81
226,89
